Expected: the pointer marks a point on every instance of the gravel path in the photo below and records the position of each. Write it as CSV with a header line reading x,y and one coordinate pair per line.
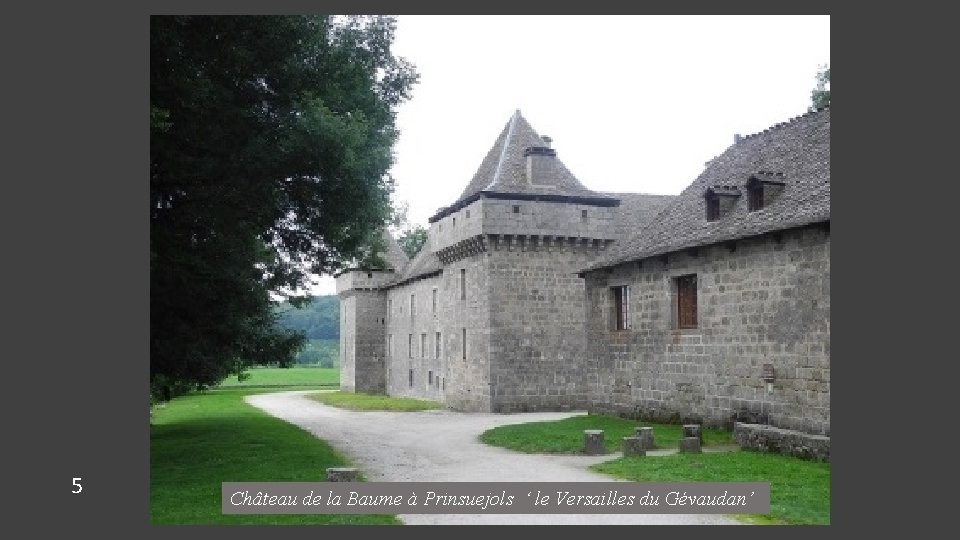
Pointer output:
x,y
442,446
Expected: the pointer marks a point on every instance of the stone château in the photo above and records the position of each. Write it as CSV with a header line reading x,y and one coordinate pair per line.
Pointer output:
x,y
533,292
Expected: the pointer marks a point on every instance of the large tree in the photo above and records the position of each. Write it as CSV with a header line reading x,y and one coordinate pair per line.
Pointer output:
x,y
412,239
270,141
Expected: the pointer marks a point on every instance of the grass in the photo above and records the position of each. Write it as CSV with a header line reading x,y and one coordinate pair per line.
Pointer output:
x,y
316,351
566,436
200,440
799,489
369,402
282,377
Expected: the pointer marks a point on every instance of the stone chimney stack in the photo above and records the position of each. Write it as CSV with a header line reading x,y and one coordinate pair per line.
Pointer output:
x,y
541,164
547,140
737,138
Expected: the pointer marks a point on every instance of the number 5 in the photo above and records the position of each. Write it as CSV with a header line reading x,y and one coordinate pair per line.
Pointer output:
x,y
76,484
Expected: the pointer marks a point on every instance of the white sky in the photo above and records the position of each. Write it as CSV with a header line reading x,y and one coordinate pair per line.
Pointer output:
x,y
633,103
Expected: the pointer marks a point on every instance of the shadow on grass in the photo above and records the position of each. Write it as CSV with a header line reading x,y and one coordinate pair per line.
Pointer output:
x,y
201,440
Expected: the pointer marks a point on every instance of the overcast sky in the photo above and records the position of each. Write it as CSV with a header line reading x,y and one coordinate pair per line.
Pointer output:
x,y
633,103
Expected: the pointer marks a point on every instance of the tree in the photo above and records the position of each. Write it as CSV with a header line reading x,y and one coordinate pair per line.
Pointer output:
x,y
820,96
412,239
270,139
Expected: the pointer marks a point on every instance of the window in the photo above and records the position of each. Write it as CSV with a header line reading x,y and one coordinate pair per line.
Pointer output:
x,y
429,378
454,223
516,209
468,214
389,308
434,302
763,188
621,306
410,345
389,345
413,306
411,378
687,301
369,275
437,343
463,283
713,208
423,345
463,345
583,215
438,381
720,201
755,196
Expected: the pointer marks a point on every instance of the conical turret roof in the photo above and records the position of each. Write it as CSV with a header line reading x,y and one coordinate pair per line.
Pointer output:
x,y
504,169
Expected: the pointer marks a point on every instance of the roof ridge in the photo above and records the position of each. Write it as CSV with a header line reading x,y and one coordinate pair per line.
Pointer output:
x,y
503,151
786,122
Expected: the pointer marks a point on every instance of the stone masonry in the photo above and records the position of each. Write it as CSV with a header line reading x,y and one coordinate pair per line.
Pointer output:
x,y
510,305
766,302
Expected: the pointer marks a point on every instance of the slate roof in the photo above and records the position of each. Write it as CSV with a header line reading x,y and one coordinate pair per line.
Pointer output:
x,y
637,210
503,170
424,262
395,258
796,153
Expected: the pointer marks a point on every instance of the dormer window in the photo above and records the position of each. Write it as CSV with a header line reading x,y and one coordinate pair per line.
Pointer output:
x,y
763,188
713,208
755,196
720,200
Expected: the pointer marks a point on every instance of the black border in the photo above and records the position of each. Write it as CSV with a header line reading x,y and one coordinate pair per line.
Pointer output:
x,y
76,265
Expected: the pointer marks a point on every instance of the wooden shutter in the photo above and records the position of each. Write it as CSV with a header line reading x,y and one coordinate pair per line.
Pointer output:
x,y
618,308
687,301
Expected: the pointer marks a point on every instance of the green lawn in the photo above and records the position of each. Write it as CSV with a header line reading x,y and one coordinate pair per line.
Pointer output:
x,y
368,402
566,436
799,489
200,440
294,376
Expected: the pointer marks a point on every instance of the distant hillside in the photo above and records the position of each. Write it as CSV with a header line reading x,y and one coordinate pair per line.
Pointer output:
x,y
320,319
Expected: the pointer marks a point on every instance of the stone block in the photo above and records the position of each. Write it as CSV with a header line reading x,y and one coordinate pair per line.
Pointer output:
x,y
690,445
645,434
593,442
693,430
341,474
633,446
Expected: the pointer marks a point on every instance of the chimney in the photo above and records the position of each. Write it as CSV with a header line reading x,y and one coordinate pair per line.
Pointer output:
x,y
547,140
737,138
541,162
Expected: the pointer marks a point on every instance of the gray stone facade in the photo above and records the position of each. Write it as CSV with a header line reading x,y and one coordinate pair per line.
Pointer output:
x,y
765,302
510,304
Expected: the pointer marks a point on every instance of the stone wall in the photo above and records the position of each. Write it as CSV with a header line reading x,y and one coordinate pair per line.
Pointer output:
x,y
537,344
536,219
463,382
456,227
362,354
540,219
362,280
788,442
762,300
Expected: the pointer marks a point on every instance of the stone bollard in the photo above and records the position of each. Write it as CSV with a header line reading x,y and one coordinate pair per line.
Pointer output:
x,y
633,446
645,434
593,442
693,430
341,474
690,445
